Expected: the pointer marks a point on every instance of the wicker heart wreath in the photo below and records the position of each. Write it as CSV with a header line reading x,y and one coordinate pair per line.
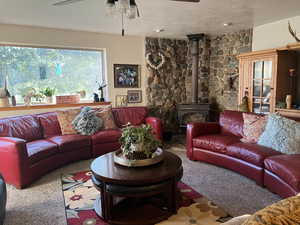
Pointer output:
x,y
155,64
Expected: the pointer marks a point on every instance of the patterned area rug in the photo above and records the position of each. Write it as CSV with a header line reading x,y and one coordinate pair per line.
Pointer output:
x,y
80,194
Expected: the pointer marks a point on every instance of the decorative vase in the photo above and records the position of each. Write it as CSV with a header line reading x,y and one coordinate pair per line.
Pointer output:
x,y
288,101
4,102
102,96
13,100
136,153
136,147
49,99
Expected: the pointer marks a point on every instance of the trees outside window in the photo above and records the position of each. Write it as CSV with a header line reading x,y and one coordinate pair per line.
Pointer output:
x,y
68,71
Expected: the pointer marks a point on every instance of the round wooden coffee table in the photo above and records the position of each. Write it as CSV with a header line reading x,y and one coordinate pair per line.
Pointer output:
x,y
144,195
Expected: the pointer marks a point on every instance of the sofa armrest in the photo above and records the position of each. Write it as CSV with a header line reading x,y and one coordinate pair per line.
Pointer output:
x,y
197,129
156,125
3,199
14,159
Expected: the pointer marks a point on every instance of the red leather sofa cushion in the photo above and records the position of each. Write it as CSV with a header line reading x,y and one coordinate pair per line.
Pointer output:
x,y
231,123
287,167
50,124
24,127
71,142
251,153
106,136
215,142
134,115
40,149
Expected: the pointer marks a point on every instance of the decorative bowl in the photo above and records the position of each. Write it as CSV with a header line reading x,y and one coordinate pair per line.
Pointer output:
x,y
120,159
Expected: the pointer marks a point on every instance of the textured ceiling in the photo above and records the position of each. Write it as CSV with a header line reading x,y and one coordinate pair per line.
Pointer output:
x,y
177,18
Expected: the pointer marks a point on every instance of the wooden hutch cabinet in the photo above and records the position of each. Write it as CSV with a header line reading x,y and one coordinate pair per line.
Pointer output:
x,y
265,78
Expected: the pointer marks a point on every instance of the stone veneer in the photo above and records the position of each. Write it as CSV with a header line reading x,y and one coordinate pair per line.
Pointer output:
x,y
224,67
166,86
218,73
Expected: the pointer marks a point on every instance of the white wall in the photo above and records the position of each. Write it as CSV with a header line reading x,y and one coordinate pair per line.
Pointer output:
x,y
274,35
119,50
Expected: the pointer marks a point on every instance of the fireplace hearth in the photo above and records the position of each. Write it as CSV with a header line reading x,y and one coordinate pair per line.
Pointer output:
x,y
188,113
194,111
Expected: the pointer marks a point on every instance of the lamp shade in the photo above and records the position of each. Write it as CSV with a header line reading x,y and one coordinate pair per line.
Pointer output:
x,y
132,12
110,7
123,5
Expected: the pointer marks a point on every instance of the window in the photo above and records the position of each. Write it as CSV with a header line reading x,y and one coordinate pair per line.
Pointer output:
x,y
28,69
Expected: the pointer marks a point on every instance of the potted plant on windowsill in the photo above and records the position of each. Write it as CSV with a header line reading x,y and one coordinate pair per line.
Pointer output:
x,y
48,93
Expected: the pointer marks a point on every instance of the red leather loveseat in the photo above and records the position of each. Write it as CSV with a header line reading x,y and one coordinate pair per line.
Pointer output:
x,y
32,145
219,144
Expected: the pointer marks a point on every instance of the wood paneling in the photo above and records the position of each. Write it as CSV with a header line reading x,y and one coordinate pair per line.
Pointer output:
x,y
282,61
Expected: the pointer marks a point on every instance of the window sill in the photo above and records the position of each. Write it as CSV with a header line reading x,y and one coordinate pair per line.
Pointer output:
x,y
51,106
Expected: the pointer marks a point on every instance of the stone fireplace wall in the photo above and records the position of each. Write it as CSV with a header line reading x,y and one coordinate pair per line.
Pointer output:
x,y
166,85
224,67
218,73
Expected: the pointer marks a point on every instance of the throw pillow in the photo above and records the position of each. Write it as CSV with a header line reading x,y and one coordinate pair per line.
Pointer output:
x,y
286,211
254,126
108,118
65,119
87,122
281,134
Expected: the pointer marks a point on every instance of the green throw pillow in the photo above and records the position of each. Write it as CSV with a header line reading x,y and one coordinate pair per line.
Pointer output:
x,y
87,122
281,134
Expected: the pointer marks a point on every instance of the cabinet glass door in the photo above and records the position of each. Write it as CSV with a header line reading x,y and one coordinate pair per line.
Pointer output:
x,y
261,86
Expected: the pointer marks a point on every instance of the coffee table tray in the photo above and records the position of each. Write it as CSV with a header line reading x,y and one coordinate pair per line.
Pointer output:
x,y
121,160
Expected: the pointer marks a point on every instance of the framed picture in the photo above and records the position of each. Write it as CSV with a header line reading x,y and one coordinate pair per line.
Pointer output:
x,y
126,76
134,96
121,100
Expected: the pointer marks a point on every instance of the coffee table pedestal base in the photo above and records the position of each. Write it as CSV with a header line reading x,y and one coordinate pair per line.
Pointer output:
x,y
134,212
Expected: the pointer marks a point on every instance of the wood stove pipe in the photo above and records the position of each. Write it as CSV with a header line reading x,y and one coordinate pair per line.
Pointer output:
x,y
194,39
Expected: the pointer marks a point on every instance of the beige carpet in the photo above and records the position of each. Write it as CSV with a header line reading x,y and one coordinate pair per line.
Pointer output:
x,y
42,203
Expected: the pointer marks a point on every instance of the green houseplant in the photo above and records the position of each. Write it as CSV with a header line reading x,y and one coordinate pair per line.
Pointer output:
x,y
48,93
138,142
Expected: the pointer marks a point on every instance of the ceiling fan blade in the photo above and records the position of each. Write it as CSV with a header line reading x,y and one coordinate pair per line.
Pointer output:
x,y
196,1
66,2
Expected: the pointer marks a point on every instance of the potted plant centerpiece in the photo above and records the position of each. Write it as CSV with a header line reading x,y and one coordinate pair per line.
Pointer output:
x,y
139,144
48,93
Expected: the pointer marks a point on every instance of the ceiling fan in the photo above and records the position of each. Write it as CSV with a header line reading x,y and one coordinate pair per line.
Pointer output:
x,y
126,8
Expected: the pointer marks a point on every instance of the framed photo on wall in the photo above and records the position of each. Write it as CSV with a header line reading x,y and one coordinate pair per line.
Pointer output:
x,y
134,96
121,100
126,76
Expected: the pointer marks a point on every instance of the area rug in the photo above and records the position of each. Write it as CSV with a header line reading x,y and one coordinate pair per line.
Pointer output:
x,y
80,194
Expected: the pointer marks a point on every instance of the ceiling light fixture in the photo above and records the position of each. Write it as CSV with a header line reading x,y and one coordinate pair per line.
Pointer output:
x,y
227,24
126,8
159,30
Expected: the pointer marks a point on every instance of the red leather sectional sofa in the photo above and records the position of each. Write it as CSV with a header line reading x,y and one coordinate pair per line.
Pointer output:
x,y
33,145
219,144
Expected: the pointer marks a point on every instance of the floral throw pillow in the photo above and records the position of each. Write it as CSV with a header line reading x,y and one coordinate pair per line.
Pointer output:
x,y
281,134
65,119
107,117
254,126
